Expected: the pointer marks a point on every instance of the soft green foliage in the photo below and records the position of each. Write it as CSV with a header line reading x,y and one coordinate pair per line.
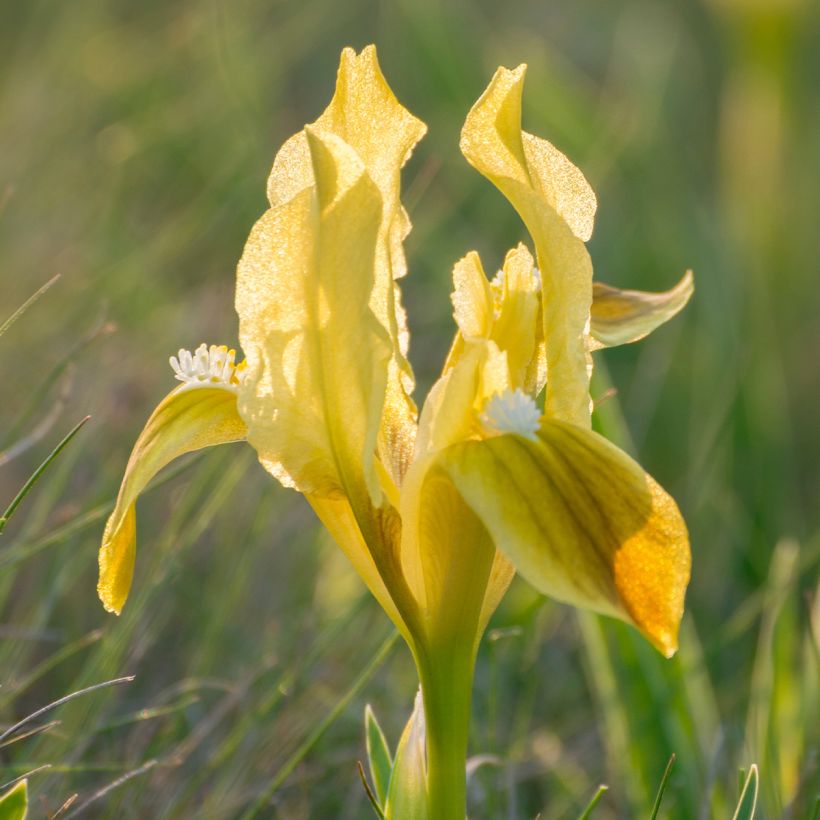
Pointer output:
x,y
14,802
135,139
378,755
748,797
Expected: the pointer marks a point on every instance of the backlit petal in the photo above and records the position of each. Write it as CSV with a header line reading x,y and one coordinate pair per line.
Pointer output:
x,y
557,205
366,115
188,419
317,354
623,316
450,411
582,522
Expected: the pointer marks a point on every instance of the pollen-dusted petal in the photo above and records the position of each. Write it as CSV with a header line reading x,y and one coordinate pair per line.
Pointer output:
x,y
581,521
623,316
366,115
187,419
557,206
317,354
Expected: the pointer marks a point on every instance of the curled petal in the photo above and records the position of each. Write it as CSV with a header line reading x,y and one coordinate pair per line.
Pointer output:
x,y
623,316
187,419
557,206
582,522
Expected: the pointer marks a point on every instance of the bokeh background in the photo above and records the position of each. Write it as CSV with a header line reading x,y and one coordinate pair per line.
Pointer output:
x,y
135,140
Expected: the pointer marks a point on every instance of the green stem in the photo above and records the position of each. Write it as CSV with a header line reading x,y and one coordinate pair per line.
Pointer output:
x,y
446,685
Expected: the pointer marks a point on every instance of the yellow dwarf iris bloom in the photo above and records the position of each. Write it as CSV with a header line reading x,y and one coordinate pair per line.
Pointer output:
x,y
437,510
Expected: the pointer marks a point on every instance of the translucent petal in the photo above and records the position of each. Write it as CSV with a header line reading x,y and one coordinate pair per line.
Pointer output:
x,y
188,419
450,411
365,113
581,521
514,330
317,353
623,316
557,205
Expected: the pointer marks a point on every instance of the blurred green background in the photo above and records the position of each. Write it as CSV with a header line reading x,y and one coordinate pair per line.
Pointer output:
x,y
135,140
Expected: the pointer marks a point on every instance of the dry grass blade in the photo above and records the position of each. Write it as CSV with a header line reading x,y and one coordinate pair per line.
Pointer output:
x,y
27,304
23,776
105,790
30,733
59,702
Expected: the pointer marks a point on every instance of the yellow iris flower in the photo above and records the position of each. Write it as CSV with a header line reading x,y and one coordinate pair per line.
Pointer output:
x,y
437,510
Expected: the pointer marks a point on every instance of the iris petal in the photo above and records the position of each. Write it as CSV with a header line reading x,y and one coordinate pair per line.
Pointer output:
x,y
581,521
187,419
623,316
557,206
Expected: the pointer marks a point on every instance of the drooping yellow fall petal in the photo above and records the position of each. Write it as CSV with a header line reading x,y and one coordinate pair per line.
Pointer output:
x,y
623,316
557,206
317,354
581,521
187,419
366,115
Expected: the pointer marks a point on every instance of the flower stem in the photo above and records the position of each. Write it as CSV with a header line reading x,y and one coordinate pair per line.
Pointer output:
x,y
446,684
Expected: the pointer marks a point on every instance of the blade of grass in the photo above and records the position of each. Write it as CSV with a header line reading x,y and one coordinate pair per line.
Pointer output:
x,y
38,473
60,701
368,791
310,741
27,304
596,799
662,788
105,790
747,804
30,733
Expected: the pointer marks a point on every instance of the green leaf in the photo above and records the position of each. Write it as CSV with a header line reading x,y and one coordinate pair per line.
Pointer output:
x,y
662,788
379,760
407,795
596,798
747,804
14,803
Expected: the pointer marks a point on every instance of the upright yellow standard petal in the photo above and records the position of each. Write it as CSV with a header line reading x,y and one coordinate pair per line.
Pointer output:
x,y
623,316
317,354
558,206
366,115
581,521
514,330
187,419
504,312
